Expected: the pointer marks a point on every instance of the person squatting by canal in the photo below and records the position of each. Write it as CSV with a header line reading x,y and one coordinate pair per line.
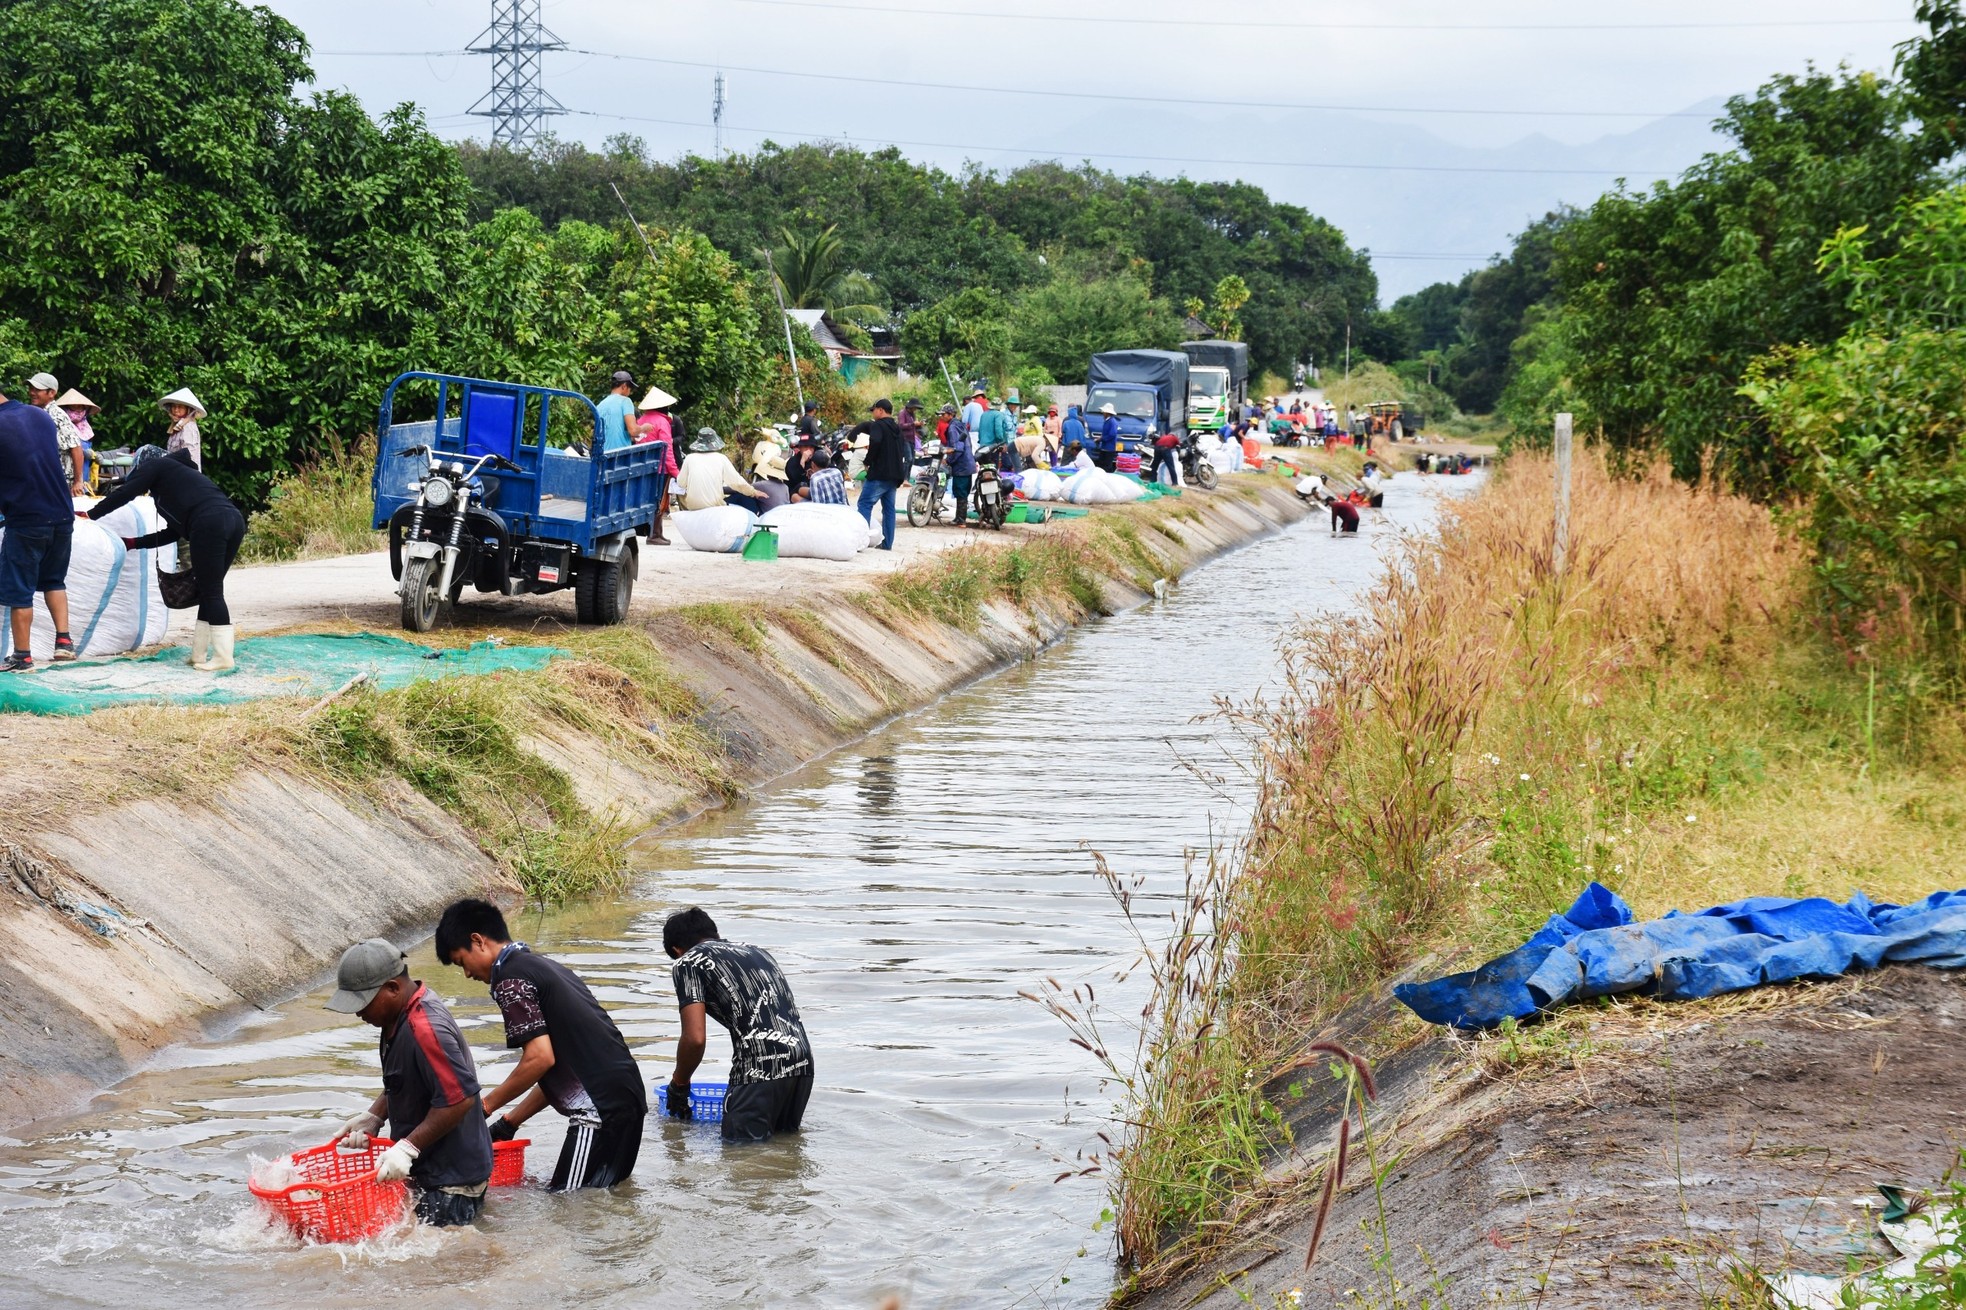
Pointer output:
x,y
742,988
572,1057
430,1087
197,512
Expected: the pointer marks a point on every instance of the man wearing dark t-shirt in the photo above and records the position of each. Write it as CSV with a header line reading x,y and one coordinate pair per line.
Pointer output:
x,y
742,988
40,519
572,1057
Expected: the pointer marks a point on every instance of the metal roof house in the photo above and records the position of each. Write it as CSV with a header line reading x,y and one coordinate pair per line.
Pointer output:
x,y
848,362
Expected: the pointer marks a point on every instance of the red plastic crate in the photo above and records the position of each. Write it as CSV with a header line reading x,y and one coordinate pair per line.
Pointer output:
x,y
509,1162
339,1199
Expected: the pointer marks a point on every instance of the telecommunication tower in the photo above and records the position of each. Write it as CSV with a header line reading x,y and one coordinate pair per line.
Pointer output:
x,y
717,114
518,103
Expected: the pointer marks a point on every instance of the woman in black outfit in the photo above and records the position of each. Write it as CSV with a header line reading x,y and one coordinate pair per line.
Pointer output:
x,y
197,512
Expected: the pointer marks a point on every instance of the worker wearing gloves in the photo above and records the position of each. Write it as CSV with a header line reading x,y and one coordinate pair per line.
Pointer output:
x,y
430,1099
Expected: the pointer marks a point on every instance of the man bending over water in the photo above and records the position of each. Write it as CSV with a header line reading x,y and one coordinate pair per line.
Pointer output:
x,y
571,1055
742,988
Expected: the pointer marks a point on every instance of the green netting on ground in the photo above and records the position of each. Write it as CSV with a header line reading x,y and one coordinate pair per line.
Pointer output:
x,y
267,666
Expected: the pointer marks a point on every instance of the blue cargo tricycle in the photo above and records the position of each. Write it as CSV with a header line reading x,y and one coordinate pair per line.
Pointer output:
x,y
477,494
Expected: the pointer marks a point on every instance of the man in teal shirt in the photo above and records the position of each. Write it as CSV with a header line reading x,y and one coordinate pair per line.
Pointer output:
x,y
617,413
997,430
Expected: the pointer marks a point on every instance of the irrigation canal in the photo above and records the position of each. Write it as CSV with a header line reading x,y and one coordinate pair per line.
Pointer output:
x,y
911,885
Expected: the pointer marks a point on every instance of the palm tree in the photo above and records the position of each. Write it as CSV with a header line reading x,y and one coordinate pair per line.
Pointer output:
x,y
812,273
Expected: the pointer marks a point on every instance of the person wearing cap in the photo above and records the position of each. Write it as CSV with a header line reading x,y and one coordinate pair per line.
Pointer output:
x,y
1054,434
41,389
825,483
572,1056
708,479
959,453
617,414
910,424
40,516
1107,456
184,411
808,425
441,1144
196,512
886,467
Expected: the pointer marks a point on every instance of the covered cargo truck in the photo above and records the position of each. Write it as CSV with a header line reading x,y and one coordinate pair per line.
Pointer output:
x,y
1148,390
1218,381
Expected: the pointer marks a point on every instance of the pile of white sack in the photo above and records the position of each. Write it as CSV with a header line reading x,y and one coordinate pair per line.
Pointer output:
x,y
1097,487
805,530
114,605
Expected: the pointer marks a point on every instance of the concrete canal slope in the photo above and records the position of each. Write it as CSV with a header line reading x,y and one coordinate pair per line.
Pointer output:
x,y
230,872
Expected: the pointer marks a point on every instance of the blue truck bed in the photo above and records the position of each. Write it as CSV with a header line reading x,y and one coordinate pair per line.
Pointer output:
x,y
558,496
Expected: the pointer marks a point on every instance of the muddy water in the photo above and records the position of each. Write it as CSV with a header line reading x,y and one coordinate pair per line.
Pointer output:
x,y
911,886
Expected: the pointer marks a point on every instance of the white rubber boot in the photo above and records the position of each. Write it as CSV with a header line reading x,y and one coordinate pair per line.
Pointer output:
x,y
201,644
221,654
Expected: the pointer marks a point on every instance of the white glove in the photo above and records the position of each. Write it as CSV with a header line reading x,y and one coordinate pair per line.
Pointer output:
x,y
356,1132
394,1166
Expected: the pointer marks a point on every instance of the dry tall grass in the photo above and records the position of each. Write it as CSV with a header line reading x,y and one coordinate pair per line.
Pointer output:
x,y
1442,719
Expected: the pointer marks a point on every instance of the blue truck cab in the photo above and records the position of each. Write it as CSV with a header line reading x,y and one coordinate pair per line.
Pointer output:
x,y
535,517
1148,390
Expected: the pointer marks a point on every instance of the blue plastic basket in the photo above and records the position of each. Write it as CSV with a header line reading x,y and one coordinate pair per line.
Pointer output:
x,y
706,1101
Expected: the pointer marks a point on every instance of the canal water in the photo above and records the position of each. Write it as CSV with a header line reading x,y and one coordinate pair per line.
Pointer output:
x,y
912,885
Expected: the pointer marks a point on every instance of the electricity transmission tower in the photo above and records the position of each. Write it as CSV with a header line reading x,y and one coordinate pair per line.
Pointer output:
x,y
717,114
518,103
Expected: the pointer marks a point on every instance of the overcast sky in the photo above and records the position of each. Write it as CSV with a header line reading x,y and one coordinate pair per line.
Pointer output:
x,y
1586,76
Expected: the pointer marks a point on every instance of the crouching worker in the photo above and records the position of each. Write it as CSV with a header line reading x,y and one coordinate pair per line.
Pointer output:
x,y
572,1057
742,988
430,1087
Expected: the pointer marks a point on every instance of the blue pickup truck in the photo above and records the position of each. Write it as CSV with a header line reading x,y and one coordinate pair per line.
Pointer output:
x,y
478,494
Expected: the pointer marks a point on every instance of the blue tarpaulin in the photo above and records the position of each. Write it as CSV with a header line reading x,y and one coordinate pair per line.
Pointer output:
x,y
1595,949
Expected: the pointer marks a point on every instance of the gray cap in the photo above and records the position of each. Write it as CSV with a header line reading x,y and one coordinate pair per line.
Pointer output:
x,y
43,382
364,968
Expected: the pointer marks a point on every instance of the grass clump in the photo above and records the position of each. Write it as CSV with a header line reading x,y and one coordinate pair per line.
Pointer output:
x,y
721,618
953,587
460,742
319,511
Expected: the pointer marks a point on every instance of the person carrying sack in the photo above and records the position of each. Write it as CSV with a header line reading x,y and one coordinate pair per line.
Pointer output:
x,y
197,512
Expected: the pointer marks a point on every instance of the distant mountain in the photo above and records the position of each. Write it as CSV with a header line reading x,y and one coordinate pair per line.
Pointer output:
x,y
1468,214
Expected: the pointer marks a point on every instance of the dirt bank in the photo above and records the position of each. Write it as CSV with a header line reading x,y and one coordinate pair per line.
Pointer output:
x,y
229,872
1634,1155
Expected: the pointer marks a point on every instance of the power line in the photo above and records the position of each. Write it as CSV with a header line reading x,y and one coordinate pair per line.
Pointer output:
x,y
1408,28
860,80
1159,159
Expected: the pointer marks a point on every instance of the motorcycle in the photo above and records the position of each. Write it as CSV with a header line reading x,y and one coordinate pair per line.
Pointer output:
x,y
438,555
992,510
1196,466
926,486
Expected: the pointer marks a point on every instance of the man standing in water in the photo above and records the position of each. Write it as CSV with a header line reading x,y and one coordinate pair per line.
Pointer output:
x,y
742,988
571,1054
430,1087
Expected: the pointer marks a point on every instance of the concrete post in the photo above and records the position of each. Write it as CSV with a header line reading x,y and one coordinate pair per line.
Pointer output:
x,y
1562,550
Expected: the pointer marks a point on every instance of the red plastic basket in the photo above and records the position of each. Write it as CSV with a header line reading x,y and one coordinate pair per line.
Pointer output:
x,y
339,1199
509,1162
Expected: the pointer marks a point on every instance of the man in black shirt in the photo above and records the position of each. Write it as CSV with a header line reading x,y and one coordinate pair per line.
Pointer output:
x,y
742,988
888,457
572,1056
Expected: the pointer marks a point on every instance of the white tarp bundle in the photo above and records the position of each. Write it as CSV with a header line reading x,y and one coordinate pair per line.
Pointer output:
x,y
720,531
809,531
113,602
1042,484
1093,487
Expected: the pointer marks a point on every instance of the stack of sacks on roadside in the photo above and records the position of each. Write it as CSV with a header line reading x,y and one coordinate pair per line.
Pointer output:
x,y
805,530
114,604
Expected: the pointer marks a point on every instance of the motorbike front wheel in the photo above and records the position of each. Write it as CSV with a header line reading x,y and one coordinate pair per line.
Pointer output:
x,y
1205,474
921,508
421,601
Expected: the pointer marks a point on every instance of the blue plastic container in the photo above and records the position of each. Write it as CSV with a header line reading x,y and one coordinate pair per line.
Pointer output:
x,y
706,1101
